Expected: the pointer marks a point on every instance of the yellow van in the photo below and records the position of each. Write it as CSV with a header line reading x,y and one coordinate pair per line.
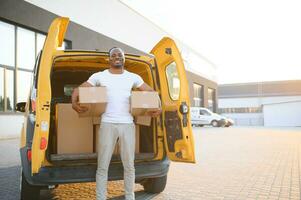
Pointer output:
x,y
168,138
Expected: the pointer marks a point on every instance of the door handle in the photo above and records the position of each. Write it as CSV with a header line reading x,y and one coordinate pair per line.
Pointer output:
x,y
184,110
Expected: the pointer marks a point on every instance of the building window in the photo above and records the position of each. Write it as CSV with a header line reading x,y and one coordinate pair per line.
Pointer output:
x,y
17,65
25,49
211,99
9,89
7,41
241,110
1,89
40,42
24,81
198,95
204,112
173,81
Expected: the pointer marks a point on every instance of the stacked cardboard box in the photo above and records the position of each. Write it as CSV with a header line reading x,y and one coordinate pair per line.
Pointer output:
x,y
74,134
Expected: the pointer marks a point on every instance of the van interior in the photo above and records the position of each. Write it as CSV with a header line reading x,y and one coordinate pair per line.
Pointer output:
x,y
68,72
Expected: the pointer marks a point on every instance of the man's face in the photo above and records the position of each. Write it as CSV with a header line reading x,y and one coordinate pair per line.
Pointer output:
x,y
117,58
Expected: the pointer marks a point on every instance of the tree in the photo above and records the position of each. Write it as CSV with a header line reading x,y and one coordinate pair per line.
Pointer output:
x,y
9,107
1,103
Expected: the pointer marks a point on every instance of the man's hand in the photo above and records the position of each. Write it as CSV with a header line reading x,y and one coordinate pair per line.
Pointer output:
x,y
75,105
145,87
154,113
78,108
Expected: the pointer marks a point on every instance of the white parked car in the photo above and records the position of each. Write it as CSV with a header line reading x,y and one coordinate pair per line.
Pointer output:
x,y
202,116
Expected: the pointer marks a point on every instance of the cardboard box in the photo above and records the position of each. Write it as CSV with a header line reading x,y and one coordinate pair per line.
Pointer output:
x,y
117,148
96,120
74,134
143,120
143,101
95,99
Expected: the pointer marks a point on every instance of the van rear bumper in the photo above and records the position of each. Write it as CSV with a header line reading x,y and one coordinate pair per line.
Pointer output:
x,y
86,173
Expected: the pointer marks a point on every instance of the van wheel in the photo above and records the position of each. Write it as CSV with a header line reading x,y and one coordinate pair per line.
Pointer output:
x,y
155,185
214,123
29,192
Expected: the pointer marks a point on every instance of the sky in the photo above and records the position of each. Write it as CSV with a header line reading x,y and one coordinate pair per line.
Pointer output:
x,y
248,40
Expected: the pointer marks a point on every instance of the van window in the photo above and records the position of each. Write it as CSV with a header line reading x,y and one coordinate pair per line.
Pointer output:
x,y
173,81
194,111
204,112
36,69
68,89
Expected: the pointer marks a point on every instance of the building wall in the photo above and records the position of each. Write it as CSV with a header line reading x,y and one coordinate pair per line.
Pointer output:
x,y
272,102
10,125
109,17
269,107
253,101
238,102
32,17
260,89
193,78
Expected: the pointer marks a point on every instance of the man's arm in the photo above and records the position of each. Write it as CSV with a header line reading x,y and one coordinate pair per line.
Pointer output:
x,y
146,87
74,98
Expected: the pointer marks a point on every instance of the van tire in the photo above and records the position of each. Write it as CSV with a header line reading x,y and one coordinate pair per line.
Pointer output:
x,y
155,185
214,123
29,192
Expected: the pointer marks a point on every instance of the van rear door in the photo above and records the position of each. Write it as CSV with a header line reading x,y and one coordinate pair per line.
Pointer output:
x,y
178,137
54,39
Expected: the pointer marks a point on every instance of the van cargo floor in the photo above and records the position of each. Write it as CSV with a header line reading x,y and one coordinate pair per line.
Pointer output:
x,y
93,156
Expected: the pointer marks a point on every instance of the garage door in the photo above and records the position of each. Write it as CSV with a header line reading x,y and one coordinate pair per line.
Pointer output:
x,y
282,114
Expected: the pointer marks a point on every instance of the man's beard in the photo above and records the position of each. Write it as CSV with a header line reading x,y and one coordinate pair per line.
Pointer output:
x,y
118,66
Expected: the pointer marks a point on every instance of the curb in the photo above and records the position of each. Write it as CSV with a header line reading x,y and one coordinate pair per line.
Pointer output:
x,y
9,137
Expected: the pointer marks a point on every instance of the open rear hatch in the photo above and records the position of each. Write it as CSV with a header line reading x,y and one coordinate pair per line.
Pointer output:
x,y
73,139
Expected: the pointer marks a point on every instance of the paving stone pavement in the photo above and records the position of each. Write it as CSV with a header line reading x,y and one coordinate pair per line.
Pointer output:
x,y
243,163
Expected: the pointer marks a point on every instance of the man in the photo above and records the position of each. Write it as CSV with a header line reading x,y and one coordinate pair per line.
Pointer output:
x,y
116,122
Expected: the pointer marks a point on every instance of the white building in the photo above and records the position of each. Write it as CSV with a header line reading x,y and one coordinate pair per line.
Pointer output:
x,y
276,103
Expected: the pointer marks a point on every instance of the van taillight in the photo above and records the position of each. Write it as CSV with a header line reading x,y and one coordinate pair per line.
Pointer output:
x,y
43,143
33,96
29,154
33,105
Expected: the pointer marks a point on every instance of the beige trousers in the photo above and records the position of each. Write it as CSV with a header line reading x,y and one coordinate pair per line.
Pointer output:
x,y
109,132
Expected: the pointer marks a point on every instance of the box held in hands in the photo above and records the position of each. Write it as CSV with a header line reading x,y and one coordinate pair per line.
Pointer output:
x,y
141,103
95,99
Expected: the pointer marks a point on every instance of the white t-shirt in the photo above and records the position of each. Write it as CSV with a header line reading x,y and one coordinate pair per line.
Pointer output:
x,y
119,87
